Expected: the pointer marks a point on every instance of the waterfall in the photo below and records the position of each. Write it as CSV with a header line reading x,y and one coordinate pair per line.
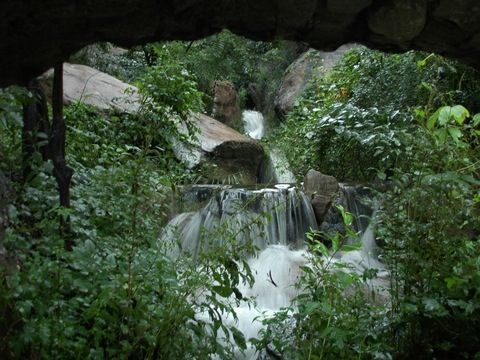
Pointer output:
x,y
276,169
276,271
254,124
240,213
357,200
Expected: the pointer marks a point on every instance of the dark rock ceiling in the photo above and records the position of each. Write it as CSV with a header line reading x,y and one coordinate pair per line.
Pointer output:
x,y
37,33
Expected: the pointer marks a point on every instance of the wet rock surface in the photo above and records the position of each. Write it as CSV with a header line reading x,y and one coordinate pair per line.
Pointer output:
x,y
226,104
230,157
321,189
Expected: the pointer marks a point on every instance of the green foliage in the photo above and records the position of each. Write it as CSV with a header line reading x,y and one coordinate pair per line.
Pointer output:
x,y
228,57
333,316
118,293
360,119
431,234
11,101
395,117
170,85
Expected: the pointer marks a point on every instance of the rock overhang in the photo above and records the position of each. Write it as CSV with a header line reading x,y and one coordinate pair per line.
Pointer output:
x,y
37,34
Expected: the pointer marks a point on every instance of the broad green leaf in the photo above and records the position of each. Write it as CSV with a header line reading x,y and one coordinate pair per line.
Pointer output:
x,y
346,216
222,290
421,64
453,281
459,113
455,133
321,248
351,247
433,119
476,120
238,338
444,115
381,175
311,307
441,134
433,306
336,240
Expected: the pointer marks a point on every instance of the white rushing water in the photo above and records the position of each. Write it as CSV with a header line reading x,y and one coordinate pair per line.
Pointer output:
x,y
254,124
276,271
276,168
277,267
242,212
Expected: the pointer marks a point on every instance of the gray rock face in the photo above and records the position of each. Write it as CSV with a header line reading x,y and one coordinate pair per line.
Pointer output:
x,y
456,12
226,105
322,189
37,34
301,71
93,87
294,82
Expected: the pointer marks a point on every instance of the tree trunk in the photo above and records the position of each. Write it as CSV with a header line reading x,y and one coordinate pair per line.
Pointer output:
x,y
63,173
35,121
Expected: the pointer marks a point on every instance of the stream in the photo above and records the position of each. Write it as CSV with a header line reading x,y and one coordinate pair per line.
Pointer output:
x,y
275,219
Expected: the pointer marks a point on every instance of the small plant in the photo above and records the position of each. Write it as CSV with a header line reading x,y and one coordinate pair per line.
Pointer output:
x,y
331,317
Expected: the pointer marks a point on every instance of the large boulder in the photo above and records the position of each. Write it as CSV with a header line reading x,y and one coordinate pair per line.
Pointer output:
x,y
93,87
322,190
226,104
384,21
299,73
226,155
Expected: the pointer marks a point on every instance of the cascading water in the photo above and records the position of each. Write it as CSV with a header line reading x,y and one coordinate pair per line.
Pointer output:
x,y
277,267
254,124
357,200
275,220
239,211
275,169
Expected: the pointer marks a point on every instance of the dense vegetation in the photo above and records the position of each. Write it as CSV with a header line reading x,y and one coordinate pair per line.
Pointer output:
x,y
116,294
396,118
224,57
405,120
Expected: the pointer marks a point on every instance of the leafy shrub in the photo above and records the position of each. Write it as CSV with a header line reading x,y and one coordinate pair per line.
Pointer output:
x,y
359,120
430,230
12,100
226,56
333,316
117,293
